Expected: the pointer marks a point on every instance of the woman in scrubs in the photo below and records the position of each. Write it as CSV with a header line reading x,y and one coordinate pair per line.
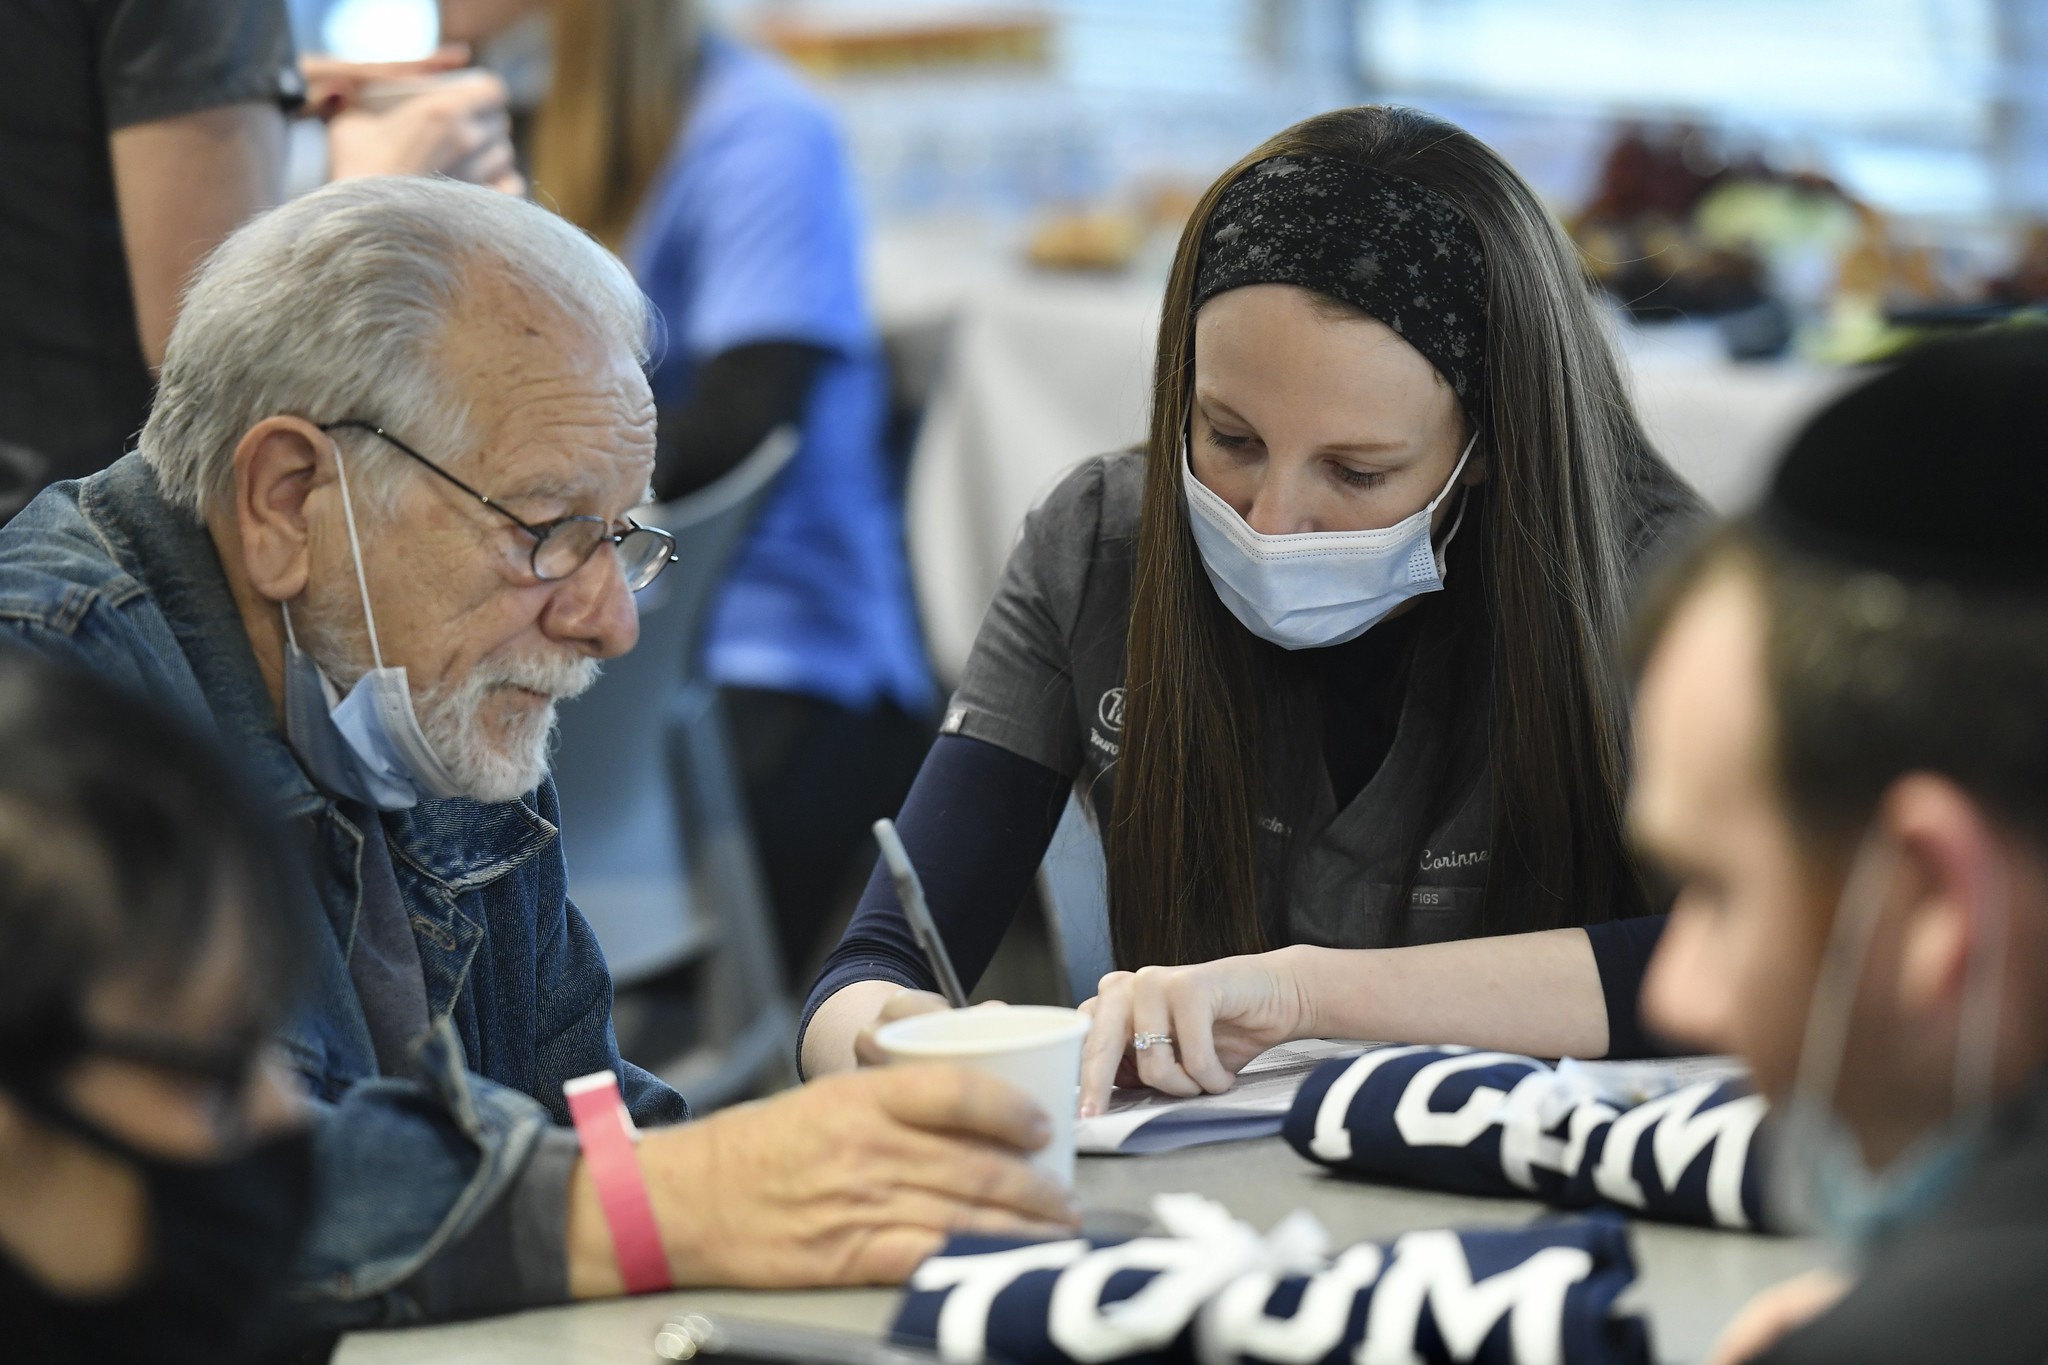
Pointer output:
x,y
1330,658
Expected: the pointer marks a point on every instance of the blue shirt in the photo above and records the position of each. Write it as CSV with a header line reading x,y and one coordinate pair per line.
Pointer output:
x,y
750,234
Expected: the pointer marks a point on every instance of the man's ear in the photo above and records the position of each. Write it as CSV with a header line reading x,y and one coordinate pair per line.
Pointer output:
x,y
279,465
1950,858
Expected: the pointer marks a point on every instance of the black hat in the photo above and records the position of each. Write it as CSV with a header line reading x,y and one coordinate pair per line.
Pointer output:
x,y
1937,469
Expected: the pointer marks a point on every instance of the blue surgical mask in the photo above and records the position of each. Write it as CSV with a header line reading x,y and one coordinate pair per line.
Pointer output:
x,y
1318,588
366,746
1820,1179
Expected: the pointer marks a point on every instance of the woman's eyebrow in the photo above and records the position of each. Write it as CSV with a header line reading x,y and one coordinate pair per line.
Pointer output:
x,y
1362,447
1208,402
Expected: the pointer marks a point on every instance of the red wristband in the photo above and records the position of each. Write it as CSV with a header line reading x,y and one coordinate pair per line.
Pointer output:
x,y
607,1133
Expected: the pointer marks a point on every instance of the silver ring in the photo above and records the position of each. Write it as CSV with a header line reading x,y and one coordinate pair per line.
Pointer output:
x,y
1141,1041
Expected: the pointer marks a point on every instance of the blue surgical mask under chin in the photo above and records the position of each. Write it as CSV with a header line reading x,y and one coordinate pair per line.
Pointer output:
x,y
1820,1179
366,746
1320,588
1855,1207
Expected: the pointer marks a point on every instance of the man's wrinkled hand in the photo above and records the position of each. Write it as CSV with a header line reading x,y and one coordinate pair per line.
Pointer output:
x,y
851,1180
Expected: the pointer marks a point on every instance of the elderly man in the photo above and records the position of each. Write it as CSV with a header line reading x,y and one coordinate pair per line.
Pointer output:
x,y
1842,738
380,522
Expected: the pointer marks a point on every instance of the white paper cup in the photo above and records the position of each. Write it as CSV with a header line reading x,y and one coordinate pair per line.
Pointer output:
x,y
1036,1048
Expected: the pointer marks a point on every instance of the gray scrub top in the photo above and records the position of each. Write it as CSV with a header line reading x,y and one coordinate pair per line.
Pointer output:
x,y
1045,681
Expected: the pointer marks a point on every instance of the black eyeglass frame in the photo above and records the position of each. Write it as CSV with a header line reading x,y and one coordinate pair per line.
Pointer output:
x,y
542,532
226,1066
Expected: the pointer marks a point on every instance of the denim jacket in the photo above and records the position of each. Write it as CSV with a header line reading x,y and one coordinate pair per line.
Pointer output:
x,y
105,575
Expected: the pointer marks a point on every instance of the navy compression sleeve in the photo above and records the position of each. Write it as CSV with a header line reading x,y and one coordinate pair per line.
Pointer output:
x,y
976,825
1622,949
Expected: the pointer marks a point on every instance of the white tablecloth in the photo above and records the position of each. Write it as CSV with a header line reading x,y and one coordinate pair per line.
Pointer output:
x,y
1043,371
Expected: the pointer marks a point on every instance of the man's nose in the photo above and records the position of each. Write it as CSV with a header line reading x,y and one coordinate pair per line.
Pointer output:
x,y
593,610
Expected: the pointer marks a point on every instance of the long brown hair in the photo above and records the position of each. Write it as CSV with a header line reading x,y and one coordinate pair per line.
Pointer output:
x,y
623,72
1213,742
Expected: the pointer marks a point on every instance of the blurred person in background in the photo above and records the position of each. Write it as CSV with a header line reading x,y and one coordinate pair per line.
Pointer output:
x,y
1381,373
379,524
1842,760
134,136
723,182
155,1171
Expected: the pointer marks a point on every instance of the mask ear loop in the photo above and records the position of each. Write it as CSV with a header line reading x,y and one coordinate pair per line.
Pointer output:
x,y
1825,1040
355,549
1440,551
1977,1029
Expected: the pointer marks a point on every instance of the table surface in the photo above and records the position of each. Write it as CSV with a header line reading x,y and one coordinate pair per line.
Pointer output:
x,y
1690,1280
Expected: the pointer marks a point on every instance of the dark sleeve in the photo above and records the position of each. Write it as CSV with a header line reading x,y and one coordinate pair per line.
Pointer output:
x,y
159,59
740,396
976,825
1622,950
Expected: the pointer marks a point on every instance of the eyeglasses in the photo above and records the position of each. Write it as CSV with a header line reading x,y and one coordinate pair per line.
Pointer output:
x,y
562,546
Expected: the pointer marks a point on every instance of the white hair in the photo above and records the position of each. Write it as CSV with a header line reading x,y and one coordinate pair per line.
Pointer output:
x,y
329,308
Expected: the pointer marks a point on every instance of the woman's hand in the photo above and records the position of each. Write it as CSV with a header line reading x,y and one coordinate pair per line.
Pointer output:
x,y
1219,1014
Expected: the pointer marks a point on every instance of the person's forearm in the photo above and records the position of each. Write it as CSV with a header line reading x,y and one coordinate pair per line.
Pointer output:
x,y
182,185
828,1041
740,396
1531,993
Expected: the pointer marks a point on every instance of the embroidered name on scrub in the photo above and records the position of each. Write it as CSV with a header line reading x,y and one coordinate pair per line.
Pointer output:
x,y
1437,862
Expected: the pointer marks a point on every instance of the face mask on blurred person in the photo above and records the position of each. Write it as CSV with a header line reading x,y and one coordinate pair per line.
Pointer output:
x,y
1820,1180
222,1236
366,746
1324,587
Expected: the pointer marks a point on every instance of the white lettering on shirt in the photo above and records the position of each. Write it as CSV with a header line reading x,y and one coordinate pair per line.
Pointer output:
x,y
1437,862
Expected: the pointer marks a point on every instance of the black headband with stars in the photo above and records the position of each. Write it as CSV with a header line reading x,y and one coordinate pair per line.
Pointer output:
x,y
1379,242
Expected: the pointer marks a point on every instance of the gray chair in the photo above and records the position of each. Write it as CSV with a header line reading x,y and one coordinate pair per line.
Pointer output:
x,y
661,860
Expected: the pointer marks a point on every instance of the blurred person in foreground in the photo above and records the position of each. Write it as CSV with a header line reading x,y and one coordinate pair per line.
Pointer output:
x,y
134,135
380,522
1842,758
724,184
155,1173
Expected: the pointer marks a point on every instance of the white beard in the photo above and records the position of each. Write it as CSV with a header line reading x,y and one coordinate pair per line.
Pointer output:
x,y
487,767
501,767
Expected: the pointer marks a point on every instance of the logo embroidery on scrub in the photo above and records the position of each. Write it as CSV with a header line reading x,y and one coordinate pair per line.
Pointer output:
x,y
1110,710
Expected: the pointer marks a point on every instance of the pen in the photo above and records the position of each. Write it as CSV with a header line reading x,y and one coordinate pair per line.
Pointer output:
x,y
910,895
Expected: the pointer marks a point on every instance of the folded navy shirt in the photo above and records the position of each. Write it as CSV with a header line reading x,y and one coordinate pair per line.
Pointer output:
x,y
1492,1123
1541,1295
